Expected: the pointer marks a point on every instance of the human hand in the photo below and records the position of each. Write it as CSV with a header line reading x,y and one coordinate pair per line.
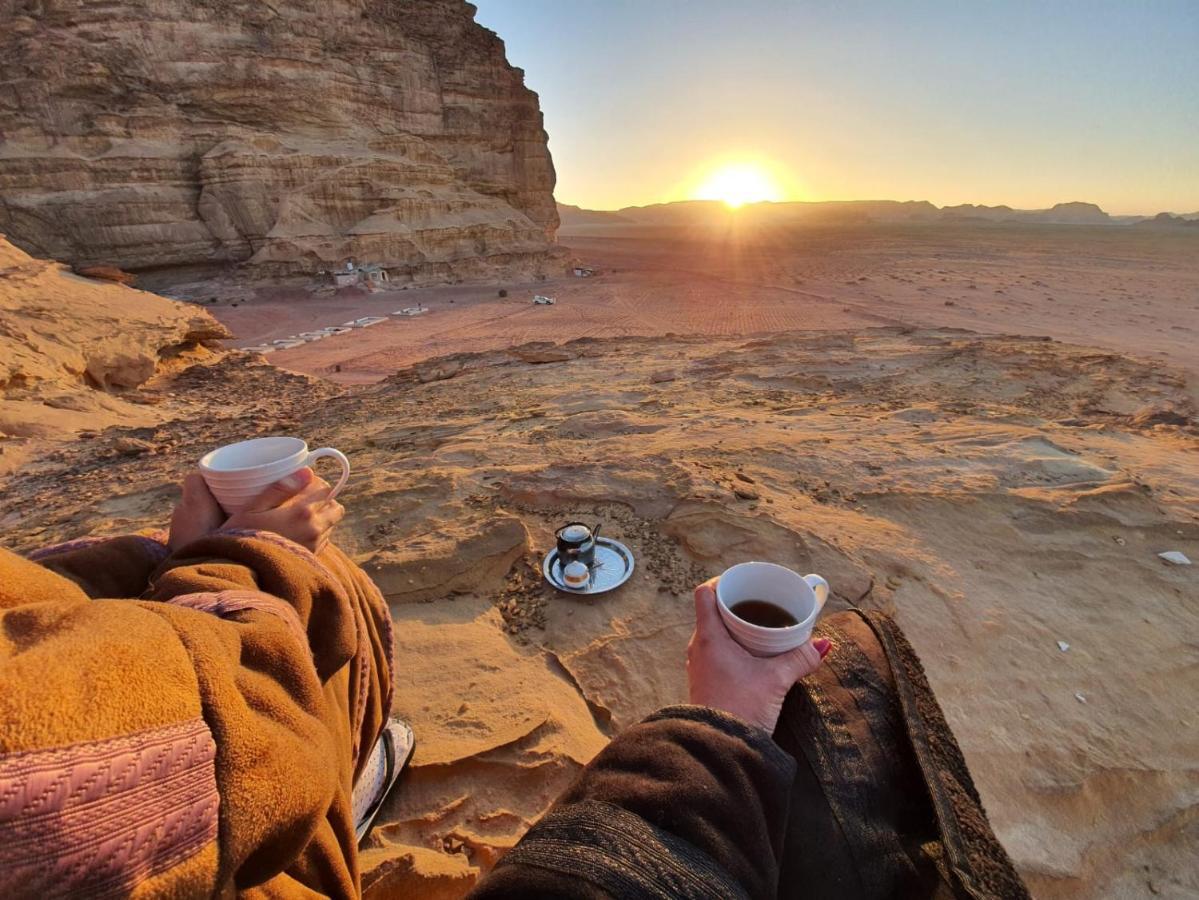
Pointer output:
x,y
297,507
197,514
724,675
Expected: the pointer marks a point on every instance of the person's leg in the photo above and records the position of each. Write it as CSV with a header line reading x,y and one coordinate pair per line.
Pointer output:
x,y
882,804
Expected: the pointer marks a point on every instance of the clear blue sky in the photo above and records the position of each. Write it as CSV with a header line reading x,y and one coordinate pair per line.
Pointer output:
x,y
1001,102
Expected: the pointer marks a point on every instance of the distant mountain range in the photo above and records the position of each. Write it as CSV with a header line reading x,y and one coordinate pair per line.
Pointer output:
x,y
863,211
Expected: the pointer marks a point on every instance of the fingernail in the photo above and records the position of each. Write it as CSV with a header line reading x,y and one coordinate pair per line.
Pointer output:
x,y
823,646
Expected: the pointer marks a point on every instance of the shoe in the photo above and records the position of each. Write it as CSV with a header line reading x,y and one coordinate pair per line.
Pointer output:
x,y
388,757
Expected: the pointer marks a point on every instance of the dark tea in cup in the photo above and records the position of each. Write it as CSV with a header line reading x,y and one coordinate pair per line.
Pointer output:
x,y
762,613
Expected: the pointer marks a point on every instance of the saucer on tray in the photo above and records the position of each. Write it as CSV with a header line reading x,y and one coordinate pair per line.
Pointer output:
x,y
613,567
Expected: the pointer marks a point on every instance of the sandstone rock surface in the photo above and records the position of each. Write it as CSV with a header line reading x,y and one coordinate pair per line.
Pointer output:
x,y
286,138
75,351
996,493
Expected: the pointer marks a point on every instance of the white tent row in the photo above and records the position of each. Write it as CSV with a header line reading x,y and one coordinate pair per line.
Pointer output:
x,y
309,337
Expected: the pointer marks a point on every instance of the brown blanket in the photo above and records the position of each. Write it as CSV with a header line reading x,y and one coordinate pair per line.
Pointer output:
x,y
882,804
199,734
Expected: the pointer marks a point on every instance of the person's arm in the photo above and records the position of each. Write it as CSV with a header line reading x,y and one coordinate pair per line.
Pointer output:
x,y
691,802
107,566
210,731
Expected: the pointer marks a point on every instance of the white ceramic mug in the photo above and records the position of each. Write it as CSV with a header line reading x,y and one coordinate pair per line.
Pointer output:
x,y
237,473
803,596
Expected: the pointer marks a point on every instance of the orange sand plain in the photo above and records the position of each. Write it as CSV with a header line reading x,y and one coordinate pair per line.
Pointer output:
x,y
1131,289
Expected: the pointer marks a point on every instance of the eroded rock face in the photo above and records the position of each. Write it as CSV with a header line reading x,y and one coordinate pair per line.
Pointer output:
x,y
288,137
74,351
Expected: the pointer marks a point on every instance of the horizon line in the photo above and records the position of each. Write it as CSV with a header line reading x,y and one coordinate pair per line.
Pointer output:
x,y
876,200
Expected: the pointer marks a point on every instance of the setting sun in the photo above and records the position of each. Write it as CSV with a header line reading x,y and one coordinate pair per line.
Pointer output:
x,y
738,184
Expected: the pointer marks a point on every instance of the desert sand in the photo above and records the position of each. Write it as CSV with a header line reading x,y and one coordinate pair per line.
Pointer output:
x,y
999,494
1130,289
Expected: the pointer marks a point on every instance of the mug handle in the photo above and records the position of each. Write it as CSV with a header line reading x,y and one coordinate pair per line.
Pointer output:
x,y
820,588
340,457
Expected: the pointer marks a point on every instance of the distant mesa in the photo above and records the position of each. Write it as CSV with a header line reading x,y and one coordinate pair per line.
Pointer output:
x,y
850,212
1166,220
275,139
575,215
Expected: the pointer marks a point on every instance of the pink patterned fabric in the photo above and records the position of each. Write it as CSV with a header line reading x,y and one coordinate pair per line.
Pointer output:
x,y
364,676
94,818
65,547
223,604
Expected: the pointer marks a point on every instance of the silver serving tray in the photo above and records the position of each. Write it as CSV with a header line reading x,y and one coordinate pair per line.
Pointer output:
x,y
613,567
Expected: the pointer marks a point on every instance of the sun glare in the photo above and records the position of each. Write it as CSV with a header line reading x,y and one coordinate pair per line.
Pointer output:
x,y
738,184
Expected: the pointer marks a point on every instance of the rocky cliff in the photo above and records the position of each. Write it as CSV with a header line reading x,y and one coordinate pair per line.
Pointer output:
x,y
286,137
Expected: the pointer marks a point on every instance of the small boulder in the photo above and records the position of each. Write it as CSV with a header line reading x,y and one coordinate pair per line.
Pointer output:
x,y
539,352
1158,414
130,446
107,273
436,370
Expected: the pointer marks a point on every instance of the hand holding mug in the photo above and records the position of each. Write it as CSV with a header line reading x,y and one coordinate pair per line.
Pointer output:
x,y
724,675
299,507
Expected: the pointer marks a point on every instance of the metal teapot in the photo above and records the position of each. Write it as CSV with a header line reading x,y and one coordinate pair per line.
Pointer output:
x,y
577,542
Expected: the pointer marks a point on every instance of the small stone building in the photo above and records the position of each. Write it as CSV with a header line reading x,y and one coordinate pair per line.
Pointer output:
x,y
371,275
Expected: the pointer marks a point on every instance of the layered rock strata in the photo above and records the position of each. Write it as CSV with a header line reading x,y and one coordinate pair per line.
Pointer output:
x,y
286,138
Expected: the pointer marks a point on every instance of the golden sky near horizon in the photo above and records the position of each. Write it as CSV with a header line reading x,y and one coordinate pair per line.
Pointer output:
x,y
1019,103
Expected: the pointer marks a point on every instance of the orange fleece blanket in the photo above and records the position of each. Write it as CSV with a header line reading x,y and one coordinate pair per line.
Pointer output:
x,y
199,731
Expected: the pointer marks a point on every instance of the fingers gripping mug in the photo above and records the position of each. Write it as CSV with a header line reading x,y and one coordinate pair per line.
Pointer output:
x,y
237,473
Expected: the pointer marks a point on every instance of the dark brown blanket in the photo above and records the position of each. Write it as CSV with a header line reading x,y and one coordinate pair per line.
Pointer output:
x,y
882,804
